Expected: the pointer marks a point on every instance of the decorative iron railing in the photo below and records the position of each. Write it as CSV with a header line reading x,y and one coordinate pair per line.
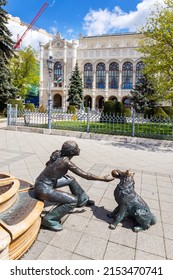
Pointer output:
x,y
95,122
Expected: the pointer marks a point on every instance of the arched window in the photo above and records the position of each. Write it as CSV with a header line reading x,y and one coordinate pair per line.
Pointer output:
x,y
58,74
100,75
88,75
57,101
127,75
113,75
139,70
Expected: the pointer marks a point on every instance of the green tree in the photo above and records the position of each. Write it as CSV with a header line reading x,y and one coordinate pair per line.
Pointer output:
x,y
7,90
25,70
157,48
143,95
109,107
75,93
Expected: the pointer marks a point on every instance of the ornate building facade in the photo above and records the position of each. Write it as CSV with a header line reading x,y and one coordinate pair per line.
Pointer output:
x,y
110,65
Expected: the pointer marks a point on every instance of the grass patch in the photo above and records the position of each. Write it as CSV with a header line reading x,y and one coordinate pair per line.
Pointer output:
x,y
151,130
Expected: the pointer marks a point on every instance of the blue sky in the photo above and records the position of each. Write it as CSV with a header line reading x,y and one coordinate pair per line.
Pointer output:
x,y
89,17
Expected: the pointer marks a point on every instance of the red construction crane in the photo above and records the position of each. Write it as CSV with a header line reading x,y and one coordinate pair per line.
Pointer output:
x,y
17,45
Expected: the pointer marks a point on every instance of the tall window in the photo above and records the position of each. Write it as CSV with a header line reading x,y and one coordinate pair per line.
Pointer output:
x,y
58,74
139,70
100,75
127,75
113,75
88,75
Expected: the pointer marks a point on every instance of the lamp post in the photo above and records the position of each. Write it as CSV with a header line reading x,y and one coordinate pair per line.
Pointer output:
x,y
50,63
133,119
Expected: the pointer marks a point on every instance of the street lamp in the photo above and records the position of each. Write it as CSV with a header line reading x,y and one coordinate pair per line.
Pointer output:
x,y
50,63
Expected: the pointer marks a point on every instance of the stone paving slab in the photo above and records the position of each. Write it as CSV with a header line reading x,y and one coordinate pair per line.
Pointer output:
x,y
86,233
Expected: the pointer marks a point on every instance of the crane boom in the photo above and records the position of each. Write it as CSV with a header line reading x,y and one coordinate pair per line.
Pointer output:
x,y
17,45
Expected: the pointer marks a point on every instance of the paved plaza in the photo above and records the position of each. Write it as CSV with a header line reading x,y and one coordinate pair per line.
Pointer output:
x,y
86,234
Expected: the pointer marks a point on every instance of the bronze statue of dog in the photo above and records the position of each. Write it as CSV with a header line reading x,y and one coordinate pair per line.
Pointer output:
x,y
130,204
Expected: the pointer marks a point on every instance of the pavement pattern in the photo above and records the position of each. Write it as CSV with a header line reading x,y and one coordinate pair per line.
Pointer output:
x,y
86,234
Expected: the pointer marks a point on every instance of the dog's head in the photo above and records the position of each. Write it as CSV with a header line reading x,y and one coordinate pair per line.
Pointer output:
x,y
127,175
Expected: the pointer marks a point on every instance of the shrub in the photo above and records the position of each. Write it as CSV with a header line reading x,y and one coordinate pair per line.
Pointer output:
x,y
74,117
113,108
42,109
119,108
148,112
127,112
30,106
109,107
160,114
168,110
13,102
86,109
71,109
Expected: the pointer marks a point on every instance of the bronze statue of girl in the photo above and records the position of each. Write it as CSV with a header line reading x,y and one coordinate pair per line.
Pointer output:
x,y
55,176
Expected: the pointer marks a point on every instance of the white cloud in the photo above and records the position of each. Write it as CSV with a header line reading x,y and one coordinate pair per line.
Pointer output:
x,y
32,37
53,30
98,22
51,5
70,30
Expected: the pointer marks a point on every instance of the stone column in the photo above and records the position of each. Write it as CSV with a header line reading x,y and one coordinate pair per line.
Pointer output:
x,y
64,97
93,91
94,81
106,86
120,86
120,79
106,97
93,101
134,77
107,81
82,76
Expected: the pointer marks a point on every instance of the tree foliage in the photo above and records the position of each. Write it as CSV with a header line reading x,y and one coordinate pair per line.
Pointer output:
x,y
6,43
157,48
143,95
25,70
7,89
75,93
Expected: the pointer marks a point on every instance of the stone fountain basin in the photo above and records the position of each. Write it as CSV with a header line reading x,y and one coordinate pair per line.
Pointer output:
x,y
20,216
9,187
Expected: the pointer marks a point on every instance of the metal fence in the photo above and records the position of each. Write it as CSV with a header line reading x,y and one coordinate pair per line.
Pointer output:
x,y
95,122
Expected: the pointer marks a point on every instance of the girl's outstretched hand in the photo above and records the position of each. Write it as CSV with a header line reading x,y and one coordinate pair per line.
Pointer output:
x,y
107,178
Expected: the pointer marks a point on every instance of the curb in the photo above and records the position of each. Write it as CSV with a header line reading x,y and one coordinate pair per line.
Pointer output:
x,y
95,136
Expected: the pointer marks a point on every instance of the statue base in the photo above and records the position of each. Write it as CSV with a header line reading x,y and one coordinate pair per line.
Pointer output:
x,y
19,217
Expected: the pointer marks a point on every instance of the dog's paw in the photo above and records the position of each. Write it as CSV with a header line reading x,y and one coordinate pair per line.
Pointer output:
x,y
111,226
137,229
